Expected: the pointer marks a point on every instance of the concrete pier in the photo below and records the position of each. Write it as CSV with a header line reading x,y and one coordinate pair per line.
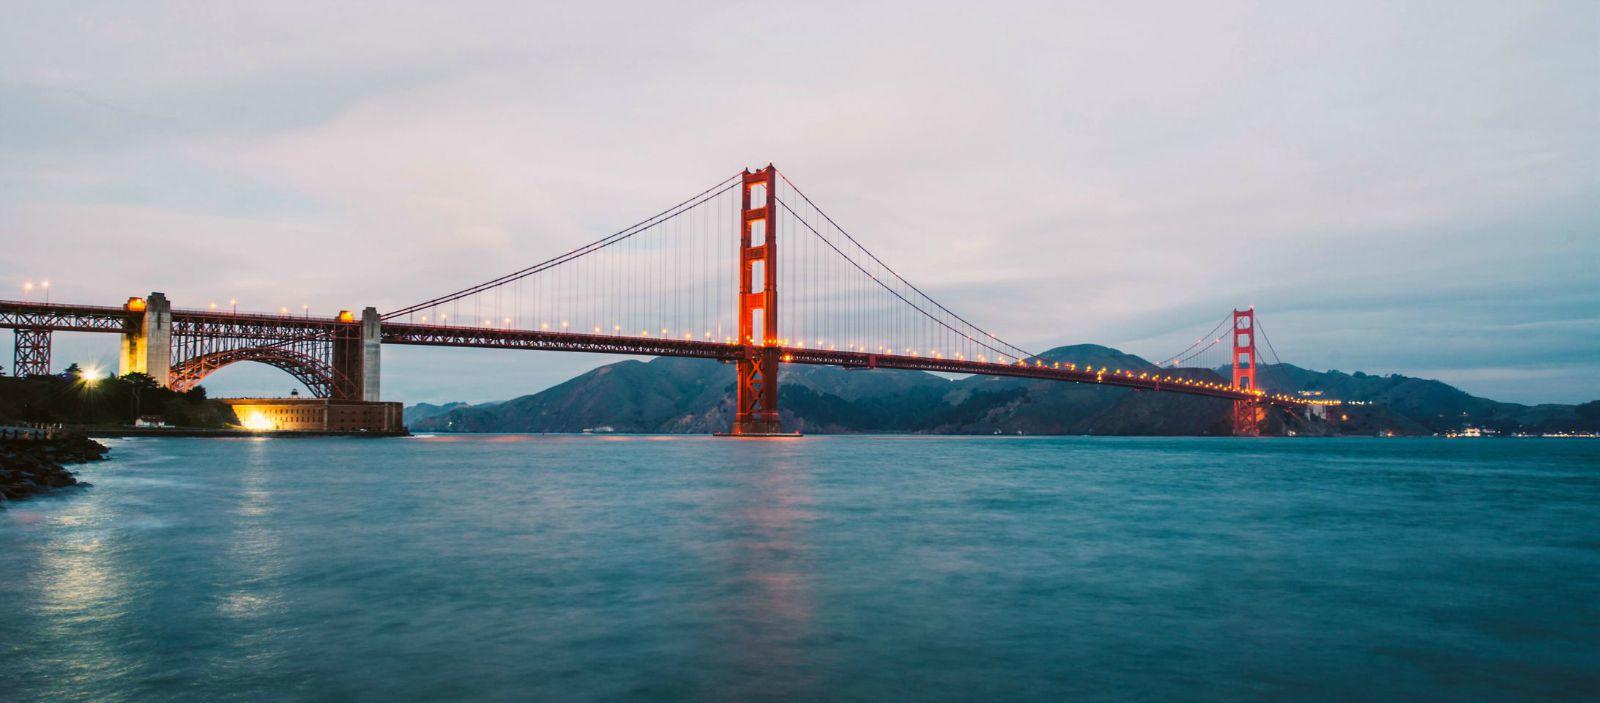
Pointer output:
x,y
371,352
147,346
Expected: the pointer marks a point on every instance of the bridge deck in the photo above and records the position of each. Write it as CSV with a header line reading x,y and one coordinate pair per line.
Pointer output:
x,y
93,318
492,338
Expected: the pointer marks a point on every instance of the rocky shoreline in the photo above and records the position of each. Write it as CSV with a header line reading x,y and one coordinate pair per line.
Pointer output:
x,y
31,467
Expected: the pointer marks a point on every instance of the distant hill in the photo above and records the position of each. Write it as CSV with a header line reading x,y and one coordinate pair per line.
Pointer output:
x,y
696,395
423,411
1434,406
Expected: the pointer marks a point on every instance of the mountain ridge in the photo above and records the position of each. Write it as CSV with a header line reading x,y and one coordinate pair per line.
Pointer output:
x,y
670,395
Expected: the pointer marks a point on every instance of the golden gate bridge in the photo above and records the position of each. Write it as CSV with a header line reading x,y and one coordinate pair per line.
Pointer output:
x,y
699,279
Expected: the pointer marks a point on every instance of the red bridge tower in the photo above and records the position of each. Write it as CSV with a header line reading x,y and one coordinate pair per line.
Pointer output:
x,y
1246,413
757,394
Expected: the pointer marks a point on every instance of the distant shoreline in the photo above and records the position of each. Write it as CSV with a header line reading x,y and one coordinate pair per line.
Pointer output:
x,y
118,433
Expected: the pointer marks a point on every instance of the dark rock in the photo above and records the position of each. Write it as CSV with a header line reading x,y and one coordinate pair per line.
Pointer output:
x,y
30,467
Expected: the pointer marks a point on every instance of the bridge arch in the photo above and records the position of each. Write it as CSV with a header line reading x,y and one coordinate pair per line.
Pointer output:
x,y
317,375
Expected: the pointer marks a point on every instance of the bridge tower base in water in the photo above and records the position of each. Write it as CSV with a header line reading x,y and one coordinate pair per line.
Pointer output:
x,y
1247,414
756,394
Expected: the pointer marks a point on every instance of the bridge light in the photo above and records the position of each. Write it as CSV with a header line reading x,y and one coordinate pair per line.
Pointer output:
x,y
544,325
283,311
213,307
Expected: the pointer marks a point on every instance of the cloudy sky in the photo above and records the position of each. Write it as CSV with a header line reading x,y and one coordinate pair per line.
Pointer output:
x,y
1397,187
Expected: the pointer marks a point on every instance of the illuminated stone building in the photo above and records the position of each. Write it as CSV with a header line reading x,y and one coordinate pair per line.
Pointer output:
x,y
317,415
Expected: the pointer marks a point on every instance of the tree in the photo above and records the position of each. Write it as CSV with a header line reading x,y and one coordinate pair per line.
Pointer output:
x,y
73,371
138,384
140,381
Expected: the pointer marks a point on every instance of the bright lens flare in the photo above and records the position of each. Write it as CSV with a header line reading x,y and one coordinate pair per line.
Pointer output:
x,y
256,422
92,374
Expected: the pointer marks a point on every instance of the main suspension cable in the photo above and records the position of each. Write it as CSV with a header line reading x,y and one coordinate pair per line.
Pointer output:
x,y
603,242
1015,350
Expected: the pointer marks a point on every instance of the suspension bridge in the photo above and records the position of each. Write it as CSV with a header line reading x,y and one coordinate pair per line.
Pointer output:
x,y
699,279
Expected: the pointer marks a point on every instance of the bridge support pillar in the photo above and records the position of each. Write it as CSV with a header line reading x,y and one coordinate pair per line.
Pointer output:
x,y
147,343
31,352
357,350
756,394
371,352
1247,416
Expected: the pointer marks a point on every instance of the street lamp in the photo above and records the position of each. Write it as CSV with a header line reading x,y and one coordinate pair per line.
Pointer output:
x,y
235,303
27,287
46,285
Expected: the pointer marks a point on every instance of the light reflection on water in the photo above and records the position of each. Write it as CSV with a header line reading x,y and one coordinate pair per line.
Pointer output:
x,y
612,567
764,627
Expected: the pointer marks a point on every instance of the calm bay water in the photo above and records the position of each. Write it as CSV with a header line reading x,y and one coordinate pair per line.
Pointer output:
x,y
837,568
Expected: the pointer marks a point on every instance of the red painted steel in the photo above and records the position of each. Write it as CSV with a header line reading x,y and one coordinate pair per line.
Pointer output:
x,y
204,341
1246,413
309,348
311,370
756,396
315,350
60,317
496,338
32,352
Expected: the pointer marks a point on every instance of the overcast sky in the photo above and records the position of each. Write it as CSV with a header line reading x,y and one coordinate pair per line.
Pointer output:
x,y
1397,187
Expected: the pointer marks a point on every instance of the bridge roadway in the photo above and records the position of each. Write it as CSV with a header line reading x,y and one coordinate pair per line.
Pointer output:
x,y
269,328
494,338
